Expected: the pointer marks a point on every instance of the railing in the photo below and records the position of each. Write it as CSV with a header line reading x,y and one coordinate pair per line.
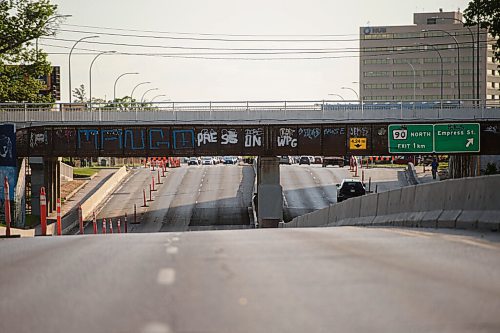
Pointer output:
x,y
66,172
246,110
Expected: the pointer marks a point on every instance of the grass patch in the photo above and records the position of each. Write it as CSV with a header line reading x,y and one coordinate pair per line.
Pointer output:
x,y
84,172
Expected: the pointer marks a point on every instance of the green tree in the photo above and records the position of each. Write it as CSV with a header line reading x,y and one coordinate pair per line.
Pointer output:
x,y
21,64
80,95
487,13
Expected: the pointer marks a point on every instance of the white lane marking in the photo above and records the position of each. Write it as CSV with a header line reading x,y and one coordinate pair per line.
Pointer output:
x,y
166,276
156,327
172,250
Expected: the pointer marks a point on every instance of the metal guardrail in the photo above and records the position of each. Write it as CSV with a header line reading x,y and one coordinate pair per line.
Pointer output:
x,y
61,113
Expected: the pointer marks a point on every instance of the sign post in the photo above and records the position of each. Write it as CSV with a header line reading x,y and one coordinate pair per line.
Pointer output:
x,y
43,211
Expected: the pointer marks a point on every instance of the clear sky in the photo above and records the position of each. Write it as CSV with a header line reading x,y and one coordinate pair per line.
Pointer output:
x,y
182,74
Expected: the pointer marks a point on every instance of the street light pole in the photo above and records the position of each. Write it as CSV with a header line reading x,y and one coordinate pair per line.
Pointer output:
x,y
337,96
414,79
132,93
441,59
151,101
473,49
90,75
152,89
116,81
69,61
354,91
43,25
458,55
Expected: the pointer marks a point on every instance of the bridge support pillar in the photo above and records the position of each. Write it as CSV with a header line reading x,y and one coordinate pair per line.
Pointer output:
x,y
45,172
269,192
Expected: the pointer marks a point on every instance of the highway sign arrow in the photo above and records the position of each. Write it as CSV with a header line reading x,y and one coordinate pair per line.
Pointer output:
x,y
357,145
470,142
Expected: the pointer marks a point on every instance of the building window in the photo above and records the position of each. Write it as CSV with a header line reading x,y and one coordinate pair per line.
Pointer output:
x,y
376,86
405,73
431,20
428,85
377,36
403,86
375,61
436,72
376,74
407,60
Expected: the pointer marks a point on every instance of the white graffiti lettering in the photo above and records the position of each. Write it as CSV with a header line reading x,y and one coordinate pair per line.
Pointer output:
x,y
229,136
286,138
207,136
253,137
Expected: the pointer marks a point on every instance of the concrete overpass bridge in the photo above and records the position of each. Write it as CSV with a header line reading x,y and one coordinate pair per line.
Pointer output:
x,y
265,129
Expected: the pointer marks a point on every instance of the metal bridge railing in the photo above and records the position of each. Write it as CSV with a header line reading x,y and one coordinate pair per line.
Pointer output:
x,y
248,110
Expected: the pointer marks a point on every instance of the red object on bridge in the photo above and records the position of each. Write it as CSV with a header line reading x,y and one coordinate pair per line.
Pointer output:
x,y
153,183
104,226
150,193
125,221
59,222
6,194
144,196
159,181
94,223
119,227
110,226
80,220
43,211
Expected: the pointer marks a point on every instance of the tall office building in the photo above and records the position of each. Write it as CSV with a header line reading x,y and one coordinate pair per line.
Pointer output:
x,y
433,59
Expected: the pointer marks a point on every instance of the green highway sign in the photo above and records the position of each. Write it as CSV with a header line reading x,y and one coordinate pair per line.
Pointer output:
x,y
438,138
456,138
411,139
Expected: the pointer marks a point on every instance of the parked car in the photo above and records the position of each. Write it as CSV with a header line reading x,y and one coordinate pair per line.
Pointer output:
x,y
318,160
333,160
230,160
207,160
193,161
350,188
285,159
305,160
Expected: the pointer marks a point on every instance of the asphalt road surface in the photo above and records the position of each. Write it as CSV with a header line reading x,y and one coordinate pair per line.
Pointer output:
x,y
188,198
281,280
307,188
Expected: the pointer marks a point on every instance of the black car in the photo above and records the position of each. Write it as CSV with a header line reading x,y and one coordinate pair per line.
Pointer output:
x,y
350,188
305,160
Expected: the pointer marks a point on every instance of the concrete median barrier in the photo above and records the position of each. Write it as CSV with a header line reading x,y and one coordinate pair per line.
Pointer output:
x,y
469,203
368,209
92,203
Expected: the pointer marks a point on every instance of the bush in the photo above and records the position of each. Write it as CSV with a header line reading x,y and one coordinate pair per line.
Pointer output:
x,y
491,169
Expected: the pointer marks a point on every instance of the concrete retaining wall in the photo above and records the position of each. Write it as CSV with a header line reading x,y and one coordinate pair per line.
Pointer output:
x,y
467,203
95,199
